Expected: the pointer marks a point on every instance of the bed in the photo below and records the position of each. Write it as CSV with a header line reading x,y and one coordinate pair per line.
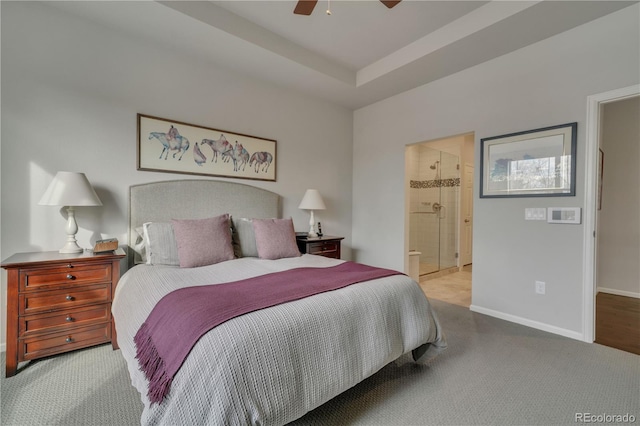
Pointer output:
x,y
269,366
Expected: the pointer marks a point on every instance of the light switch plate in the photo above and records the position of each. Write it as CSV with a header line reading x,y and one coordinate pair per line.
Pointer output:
x,y
535,213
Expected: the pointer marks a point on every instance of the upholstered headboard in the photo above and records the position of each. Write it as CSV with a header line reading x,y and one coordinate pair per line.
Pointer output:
x,y
195,199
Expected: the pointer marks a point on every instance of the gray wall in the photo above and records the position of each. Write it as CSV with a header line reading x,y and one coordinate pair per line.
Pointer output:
x,y
541,85
618,268
71,90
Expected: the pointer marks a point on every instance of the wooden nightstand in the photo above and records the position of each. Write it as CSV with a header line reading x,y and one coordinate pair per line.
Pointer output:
x,y
58,302
327,246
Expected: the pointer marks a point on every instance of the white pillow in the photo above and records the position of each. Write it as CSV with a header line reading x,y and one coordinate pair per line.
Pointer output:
x,y
161,244
244,238
140,246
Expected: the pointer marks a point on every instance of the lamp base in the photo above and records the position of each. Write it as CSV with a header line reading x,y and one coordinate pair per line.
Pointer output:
x,y
71,247
72,228
312,227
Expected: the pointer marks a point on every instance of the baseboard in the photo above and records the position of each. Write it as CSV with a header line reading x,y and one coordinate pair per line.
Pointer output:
x,y
618,292
529,323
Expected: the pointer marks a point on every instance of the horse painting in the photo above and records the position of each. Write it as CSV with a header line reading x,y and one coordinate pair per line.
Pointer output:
x,y
177,143
239,155
219,146
261,158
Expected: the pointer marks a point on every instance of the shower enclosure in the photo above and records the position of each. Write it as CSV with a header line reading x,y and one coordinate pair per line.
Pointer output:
x,y
434,194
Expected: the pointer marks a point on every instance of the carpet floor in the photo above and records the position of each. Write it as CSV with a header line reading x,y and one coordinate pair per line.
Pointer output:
x,y
493,373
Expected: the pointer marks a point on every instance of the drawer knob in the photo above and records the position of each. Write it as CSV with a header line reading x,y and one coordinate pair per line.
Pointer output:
x,y
69,297
69,276
69,339
68,318
69,266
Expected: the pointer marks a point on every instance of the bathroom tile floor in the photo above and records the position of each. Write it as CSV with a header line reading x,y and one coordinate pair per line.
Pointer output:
x,y
454,288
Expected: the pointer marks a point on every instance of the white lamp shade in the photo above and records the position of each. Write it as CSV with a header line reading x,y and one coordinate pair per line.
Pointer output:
x,y
70,189
312,201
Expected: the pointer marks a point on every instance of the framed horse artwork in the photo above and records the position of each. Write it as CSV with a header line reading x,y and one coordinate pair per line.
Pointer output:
x,y
175,147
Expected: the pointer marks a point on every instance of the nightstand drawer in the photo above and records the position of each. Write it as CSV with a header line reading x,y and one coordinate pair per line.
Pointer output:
x,y
323,247
326,246
37,279
45,301
36,347
64,319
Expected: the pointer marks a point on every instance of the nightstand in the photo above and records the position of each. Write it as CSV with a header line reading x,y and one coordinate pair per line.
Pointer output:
x,y
58,302
327,246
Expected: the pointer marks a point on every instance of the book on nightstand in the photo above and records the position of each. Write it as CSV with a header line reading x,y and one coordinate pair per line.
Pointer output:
x,y
102,246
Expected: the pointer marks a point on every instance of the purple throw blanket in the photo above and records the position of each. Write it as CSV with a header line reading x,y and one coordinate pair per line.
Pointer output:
x,y
181,317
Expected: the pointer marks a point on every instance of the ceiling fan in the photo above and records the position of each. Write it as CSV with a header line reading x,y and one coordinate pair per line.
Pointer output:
x,y
305,7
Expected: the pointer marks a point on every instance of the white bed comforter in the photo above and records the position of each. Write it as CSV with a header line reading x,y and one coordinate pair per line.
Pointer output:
x,y
272,366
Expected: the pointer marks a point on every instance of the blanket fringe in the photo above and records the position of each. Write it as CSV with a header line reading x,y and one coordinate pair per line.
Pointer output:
x,y
152,365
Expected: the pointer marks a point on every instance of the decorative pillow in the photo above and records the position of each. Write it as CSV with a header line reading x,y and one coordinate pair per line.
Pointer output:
x,y
203,242
275,238
160,244
139,246
244,238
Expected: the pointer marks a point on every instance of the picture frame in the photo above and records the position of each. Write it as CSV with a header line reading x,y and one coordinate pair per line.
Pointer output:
x,y
172,146
600,176
533,163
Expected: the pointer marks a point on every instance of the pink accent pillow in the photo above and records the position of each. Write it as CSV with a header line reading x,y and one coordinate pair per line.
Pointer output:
x,y
203,242
275,238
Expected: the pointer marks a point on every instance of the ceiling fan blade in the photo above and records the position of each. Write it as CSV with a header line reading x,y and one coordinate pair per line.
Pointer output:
x,y
390,3
305,7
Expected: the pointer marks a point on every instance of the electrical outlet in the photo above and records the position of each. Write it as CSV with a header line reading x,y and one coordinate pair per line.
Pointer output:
x,y
540,287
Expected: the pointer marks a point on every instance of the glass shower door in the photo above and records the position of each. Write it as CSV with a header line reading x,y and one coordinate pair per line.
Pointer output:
x,y
434,212
449,186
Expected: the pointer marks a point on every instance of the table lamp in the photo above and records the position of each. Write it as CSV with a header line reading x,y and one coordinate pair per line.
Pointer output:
x,y
70,189
312,201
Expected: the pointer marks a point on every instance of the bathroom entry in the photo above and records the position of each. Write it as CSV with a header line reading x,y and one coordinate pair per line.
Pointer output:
x,y
434,196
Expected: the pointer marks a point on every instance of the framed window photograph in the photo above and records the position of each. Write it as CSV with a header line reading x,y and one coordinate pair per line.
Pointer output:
x,y
166,145
534,163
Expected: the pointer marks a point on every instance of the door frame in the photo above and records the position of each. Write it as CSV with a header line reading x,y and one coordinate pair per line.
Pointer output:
x,y
466,239
594,108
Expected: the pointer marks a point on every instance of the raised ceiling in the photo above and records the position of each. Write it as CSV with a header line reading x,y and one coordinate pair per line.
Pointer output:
x,y
361,53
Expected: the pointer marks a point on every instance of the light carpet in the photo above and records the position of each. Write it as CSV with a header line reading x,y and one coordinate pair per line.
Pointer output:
x,y
493,373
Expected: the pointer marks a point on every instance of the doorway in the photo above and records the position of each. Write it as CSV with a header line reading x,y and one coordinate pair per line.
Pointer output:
x,y
593,232
439,205
617,227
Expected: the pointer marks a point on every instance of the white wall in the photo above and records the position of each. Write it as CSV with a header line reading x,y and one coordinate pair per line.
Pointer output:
x,y
618,266
541,85
70,93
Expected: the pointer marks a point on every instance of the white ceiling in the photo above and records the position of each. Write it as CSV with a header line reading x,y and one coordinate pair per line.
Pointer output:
x,y
361,53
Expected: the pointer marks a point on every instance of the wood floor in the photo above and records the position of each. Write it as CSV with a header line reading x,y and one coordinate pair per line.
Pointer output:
x,y
618,322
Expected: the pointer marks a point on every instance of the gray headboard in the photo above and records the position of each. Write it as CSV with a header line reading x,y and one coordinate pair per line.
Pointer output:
x,y
195,199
